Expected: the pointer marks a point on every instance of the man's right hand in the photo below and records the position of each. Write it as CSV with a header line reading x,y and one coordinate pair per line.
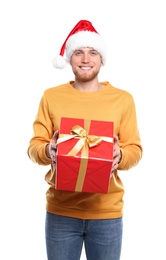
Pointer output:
x,y
51,148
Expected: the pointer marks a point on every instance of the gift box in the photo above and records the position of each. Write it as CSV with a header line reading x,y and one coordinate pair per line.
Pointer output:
x,y
84,155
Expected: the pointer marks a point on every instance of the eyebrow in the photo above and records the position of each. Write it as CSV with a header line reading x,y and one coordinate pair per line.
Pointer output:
x,y
90,49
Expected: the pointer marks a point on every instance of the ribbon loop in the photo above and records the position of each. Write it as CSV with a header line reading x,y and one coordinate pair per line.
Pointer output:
x,y
93,140
80,132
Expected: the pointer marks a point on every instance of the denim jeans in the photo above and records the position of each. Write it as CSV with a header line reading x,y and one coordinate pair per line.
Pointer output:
x,y
65,237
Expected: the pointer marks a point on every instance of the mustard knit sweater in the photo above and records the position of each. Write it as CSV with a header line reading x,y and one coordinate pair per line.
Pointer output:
x,y
108,104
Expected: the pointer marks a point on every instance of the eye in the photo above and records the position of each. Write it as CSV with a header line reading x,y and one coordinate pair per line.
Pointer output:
x,y
77,53
93,52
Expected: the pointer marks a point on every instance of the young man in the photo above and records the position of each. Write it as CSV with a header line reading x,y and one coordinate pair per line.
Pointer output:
x,y
74,218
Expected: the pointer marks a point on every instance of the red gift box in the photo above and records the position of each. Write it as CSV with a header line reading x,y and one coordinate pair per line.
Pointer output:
x,y
84,155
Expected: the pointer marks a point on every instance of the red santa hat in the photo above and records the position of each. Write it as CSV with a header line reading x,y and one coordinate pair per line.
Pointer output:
x,y
82,35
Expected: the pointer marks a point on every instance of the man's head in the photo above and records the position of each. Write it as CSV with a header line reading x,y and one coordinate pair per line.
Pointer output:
x,y
83,35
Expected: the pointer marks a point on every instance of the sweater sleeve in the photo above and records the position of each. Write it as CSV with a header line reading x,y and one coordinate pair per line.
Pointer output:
x,y
42,133
129,137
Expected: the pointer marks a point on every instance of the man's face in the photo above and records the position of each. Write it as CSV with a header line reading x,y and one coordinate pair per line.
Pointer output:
x,y
86,64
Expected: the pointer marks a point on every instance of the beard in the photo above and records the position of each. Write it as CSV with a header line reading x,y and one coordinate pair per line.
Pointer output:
x,y
85,77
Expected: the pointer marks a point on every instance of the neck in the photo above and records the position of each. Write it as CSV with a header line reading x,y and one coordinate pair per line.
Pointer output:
x,y
89,86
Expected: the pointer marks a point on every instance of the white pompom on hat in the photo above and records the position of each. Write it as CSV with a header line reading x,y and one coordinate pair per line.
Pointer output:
x,y
82,35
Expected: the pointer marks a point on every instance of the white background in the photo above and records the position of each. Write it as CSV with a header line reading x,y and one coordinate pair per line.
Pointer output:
x,y
32,33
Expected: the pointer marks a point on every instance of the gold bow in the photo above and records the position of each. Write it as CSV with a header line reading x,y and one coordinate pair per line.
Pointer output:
x,y
85,140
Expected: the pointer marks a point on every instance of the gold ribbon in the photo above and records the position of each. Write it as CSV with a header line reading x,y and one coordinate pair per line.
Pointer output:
x,y
85,142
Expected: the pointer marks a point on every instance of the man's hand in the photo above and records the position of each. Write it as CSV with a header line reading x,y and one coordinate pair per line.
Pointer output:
x,y
117,155
51,148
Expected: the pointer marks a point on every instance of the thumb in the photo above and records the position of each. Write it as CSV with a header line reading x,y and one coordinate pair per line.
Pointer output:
x,y
116,139
55,135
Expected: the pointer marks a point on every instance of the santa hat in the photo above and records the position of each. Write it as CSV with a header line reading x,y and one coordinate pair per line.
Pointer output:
x,y
82,35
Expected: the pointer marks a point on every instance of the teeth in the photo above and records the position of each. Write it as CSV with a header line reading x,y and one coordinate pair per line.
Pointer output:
x,y
85,68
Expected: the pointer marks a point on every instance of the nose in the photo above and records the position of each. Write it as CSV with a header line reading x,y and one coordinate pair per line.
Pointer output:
x,y
85,58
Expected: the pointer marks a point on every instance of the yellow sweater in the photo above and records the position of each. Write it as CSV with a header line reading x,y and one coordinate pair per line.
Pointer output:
x,y
109,104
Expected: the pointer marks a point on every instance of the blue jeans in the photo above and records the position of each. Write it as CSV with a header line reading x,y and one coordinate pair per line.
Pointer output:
x,y
65,237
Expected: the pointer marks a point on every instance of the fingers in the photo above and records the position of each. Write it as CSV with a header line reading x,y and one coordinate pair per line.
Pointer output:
x,y
53,142
53,147
114,166
116,148
116,154
52,152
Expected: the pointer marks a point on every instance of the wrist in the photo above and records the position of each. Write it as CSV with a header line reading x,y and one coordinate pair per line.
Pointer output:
x,y
47,151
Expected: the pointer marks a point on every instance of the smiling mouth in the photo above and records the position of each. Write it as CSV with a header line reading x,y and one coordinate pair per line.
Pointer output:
x,y
85,68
